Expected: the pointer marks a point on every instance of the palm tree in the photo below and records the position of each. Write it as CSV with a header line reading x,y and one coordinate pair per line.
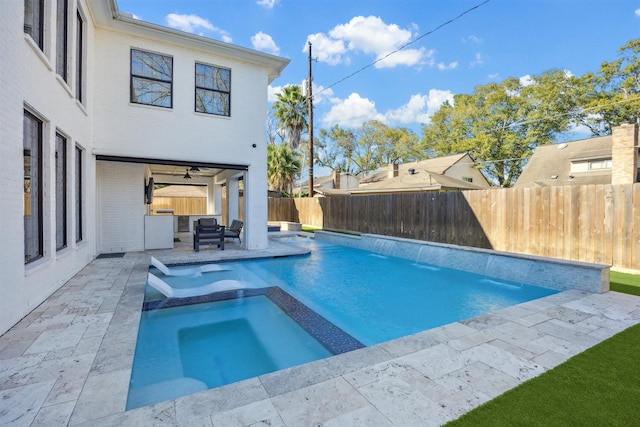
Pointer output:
x,y
291,112
283,164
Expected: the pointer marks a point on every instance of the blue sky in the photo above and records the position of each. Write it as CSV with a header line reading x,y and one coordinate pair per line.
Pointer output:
x,y
497,40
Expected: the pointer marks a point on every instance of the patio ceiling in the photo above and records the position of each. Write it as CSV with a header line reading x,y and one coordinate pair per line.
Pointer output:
x,y
179,171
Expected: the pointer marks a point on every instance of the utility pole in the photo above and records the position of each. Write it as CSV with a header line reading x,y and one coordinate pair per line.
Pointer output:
x,y
310,103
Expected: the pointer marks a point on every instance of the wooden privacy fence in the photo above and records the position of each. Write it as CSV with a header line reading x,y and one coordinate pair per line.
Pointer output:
x,y
181,205
590,223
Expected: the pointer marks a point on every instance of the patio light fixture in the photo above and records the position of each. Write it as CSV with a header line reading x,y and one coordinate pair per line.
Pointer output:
x,y
194,169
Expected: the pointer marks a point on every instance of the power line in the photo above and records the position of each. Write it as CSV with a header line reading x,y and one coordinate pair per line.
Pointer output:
x,y
582,110
404,46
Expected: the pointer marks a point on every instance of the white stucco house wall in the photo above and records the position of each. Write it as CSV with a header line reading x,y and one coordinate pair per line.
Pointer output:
x,y
94,104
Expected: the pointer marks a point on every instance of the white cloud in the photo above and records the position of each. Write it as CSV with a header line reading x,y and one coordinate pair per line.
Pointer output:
x,y
436,99
369,35
326,50
473,39
188,23
638,13
272,92
493,76
407,57
450,66
478,60
263,42
195,24
352,112
321,95
420,108
527,80
131,15
356,110
267,4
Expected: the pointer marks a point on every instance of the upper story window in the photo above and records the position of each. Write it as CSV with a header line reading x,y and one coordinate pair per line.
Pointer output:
x,y
34,20
79,57
151,79
213,90
62,23
467,179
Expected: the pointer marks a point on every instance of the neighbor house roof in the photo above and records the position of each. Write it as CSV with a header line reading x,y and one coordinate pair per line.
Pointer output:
x,y
420,180
438,165
551,165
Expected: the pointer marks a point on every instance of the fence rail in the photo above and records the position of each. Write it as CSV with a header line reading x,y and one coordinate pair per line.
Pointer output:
x,y
590,223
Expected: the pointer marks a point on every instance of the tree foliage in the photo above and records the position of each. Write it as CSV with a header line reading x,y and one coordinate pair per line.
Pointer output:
x,y
335,149
283,164
372,145
500,124
290,110
612,96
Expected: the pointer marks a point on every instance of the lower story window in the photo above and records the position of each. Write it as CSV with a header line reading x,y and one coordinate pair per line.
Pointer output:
x,y
61,192
32,156
78,171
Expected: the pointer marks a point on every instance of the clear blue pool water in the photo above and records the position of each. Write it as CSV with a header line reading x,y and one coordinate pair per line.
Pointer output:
x,y
373,298
182,350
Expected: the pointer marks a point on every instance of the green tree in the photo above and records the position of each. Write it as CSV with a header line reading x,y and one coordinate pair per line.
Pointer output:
x,y
500,124
612,96
367,153
398,145
335,149
283,164
290,110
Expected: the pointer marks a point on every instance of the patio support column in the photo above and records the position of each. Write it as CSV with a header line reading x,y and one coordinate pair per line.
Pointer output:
x,y
233,198
216,199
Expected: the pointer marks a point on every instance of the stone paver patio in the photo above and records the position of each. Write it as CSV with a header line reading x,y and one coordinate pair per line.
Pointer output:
x,y
69,361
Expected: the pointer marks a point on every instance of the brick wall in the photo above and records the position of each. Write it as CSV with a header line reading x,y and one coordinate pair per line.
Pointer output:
x,y
121,206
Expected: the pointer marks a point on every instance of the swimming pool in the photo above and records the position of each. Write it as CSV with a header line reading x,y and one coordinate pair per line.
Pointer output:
x,y
365,296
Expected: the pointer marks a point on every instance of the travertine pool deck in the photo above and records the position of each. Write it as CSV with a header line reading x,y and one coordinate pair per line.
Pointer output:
x,y
69,361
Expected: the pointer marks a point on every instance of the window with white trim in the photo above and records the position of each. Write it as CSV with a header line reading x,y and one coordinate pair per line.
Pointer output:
x,y
61,191
79,185
79,57
32,201
213,90
599,164
151,79
34,20
62,24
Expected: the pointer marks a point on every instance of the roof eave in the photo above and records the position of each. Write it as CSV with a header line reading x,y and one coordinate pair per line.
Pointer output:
x,y
106,14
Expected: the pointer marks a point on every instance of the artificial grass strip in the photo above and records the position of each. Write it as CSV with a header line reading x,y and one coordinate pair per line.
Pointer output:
x,y
599,387
624,282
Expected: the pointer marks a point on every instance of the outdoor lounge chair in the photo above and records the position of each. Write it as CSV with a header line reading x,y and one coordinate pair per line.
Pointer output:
x,y
208,221
171,292
195,270
233,232
208,235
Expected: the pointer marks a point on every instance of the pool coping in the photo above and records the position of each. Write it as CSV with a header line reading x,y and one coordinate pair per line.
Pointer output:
x,y
90,326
